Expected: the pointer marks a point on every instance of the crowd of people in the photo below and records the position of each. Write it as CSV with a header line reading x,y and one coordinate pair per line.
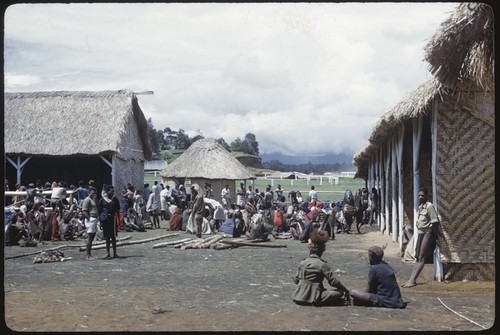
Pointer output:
x,y
69,212
55,211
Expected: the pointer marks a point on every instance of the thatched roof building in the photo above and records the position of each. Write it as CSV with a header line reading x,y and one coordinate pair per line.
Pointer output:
x,y
442,137
207,161
73,136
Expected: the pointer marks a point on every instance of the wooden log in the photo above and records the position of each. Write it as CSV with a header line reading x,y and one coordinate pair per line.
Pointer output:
x,y
180,245
195,245
97,242
206,245
171,243
117,239
223,246
118,244
257,244
37,252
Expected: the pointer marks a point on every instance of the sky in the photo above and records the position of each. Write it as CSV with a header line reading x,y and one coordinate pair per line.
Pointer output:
x,y
304,78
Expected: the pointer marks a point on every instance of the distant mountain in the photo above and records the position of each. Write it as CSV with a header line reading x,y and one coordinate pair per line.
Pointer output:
x,y
304,159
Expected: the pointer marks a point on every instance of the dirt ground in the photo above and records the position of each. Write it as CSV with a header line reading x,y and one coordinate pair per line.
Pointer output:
x,y
241,289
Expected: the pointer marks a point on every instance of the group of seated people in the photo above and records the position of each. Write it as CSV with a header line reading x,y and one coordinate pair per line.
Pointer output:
x,y
282,220
42,223
42,219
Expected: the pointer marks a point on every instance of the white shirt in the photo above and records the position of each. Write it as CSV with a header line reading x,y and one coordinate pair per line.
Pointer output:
x,y
226,193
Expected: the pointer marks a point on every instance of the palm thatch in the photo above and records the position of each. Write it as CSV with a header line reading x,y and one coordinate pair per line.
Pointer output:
x,y
206,159
463,47
66,123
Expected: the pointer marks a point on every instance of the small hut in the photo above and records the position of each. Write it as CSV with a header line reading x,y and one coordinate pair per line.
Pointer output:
x,y
442,137
206,161
75,135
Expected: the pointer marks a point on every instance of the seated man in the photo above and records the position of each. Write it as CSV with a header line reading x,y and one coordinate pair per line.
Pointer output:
x,y
16,229
382,290
311,273
257,230
132,220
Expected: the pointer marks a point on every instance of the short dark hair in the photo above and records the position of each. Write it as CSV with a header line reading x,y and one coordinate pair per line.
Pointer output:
x,y
424,190
107,188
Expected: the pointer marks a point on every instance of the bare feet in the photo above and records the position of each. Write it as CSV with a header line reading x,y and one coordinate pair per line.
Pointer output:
x,y
409,284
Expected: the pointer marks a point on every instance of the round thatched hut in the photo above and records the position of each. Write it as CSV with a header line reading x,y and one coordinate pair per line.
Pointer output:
x,y
206,161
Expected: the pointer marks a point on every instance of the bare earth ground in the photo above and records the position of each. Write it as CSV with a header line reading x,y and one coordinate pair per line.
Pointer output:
x,y
242,289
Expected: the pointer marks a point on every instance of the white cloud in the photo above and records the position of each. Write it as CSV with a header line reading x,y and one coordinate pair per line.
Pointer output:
x,y
15,80
302,77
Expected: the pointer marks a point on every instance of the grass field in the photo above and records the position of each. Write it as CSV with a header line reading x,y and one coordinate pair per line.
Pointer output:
x,y
326,192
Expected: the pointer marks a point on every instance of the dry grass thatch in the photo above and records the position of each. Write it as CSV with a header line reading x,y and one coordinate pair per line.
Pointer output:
x,y
463,47
417,102
462,50
206,159
75,123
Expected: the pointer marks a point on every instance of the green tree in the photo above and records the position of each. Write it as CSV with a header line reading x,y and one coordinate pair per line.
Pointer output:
x,y
224,144
237,145
170,138
251,145
183,141
156,143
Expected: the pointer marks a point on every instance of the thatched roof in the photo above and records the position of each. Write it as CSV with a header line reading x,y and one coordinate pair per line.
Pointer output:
x,y
75,123
207,159
417,102
463,47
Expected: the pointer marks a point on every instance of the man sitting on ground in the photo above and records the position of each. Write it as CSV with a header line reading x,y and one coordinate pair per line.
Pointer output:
x,y
383,289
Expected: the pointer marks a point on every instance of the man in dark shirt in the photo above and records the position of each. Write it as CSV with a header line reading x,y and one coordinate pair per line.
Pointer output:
x,y
383,289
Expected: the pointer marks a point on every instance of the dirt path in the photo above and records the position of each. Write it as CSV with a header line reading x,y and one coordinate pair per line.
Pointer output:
x,y
242,289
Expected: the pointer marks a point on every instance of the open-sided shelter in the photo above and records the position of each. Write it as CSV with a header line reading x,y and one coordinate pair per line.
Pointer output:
x,y
206,161
442,137
75,135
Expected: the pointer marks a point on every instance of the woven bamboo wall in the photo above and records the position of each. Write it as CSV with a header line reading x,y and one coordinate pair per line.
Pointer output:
x,y
469,271
465,185
408,176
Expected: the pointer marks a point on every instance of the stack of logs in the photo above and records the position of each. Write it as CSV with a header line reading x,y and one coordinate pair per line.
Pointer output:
x,y
217,242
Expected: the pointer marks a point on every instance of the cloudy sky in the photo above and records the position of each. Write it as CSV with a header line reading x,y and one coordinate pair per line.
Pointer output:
x,y
304,78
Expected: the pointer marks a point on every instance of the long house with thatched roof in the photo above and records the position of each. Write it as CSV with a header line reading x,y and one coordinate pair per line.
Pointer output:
x,y
75,135
442,137
206,161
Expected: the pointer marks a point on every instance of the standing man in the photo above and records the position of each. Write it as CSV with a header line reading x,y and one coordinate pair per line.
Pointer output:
x,y
250,193
82,192
164,200
268,198
382,289
198,208
241,194
311,273
292,195
208,191
108,207
89,210
279,192
427,222
226,197
313,195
